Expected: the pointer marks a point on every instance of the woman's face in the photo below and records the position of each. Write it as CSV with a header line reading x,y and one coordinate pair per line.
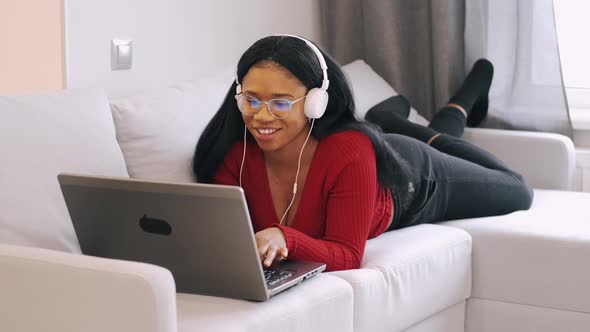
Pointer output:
x,y
266,81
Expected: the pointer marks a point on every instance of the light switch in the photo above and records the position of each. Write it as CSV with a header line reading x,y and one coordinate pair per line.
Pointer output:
x,y
121,54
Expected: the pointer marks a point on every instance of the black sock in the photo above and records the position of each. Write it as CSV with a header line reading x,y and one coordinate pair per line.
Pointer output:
x,y
473,94
449,120
392,123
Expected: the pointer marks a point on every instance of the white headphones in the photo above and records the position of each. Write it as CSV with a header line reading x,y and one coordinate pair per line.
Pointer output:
x,y
316,99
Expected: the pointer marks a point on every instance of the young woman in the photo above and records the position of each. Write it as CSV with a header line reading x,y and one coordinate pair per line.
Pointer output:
x,y
320,183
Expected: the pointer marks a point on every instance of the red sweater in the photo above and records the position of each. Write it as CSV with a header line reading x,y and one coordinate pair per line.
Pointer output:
x,y
342,205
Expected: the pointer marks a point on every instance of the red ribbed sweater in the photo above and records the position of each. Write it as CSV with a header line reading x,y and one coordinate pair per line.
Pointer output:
x,y
342,205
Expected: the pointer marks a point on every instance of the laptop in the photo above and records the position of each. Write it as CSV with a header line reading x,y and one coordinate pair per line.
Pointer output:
x,y
202,233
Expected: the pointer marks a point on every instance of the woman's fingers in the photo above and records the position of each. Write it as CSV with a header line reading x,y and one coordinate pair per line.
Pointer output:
x,y
262,249
270,255
273,253
271,246
283,253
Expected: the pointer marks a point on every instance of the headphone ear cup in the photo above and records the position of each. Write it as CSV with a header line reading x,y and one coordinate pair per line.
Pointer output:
x,y
316,102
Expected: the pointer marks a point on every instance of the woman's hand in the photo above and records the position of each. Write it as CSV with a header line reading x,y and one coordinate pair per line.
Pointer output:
x,y
271,245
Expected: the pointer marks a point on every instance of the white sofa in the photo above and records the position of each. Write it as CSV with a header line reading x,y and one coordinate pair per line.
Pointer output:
x,y
525,271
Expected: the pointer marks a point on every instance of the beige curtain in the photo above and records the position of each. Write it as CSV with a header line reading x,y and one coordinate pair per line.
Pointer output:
x,y
416,45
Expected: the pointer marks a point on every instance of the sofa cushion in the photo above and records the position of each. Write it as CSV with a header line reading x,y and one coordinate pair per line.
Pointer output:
x,y
408,275
492,316
451,319
40,137
322,303
158,129
537,257
369,89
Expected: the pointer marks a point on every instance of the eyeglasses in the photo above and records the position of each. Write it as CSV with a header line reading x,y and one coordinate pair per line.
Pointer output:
x,y
278,108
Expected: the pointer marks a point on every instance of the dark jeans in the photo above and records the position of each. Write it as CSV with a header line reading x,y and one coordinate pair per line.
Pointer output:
x,y
455,179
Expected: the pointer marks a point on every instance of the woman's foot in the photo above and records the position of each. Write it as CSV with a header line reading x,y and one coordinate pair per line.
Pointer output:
x,y
473,94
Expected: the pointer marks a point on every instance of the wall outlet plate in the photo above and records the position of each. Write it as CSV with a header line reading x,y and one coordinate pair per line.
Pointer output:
x,y
121,54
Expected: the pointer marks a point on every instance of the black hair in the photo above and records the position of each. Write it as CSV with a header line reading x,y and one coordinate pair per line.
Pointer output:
x,y
227,126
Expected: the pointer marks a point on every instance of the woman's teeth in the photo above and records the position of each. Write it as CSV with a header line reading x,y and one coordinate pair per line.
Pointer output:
x,y
267,131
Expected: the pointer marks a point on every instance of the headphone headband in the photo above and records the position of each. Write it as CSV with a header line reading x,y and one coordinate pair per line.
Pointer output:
x,y
320,57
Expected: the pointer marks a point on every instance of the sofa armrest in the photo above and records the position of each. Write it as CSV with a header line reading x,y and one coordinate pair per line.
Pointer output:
x,y
546,160
45,290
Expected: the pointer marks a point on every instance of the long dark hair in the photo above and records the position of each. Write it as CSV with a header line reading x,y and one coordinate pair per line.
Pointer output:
x,y
227,127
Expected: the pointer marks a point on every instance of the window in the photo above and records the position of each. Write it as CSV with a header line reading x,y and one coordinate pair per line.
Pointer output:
x,y
573,24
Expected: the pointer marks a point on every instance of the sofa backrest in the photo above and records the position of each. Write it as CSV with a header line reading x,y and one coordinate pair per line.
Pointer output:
x,y
40,137
158,129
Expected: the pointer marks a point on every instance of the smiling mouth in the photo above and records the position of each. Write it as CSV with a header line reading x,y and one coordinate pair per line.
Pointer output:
x,y
266,131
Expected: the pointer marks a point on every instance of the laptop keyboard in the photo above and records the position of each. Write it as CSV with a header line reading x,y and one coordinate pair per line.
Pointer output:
x,y
273,276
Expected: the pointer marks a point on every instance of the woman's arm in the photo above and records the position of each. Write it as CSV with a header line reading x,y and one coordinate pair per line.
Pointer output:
x,y
228,172
349,214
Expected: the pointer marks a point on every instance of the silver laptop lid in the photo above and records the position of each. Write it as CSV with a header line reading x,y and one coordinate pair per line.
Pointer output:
x,y
177,226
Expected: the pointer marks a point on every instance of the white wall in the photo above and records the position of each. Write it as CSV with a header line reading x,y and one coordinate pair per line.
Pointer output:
x,y
173,40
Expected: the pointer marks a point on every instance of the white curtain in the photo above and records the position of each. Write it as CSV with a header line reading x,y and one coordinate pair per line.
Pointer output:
x,y
520,39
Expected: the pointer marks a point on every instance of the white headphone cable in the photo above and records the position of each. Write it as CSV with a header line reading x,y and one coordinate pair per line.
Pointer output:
x,y
297,174
243,155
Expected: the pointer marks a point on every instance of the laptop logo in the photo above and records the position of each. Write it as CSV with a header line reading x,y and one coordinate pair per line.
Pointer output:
x,y
155,226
